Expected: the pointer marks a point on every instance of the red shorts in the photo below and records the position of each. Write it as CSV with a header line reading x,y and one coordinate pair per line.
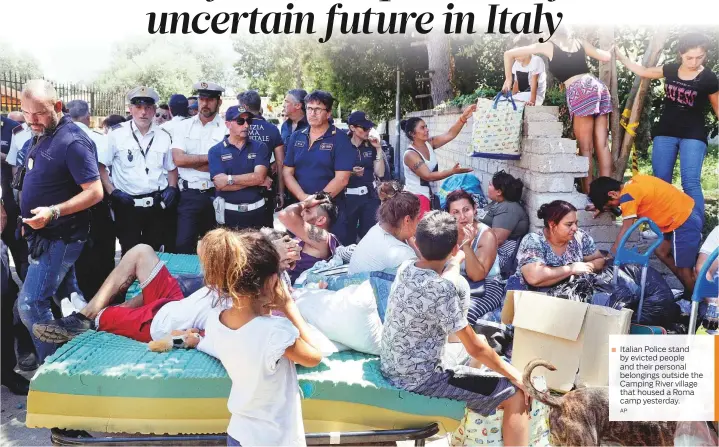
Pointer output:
x,y
135,322
425,206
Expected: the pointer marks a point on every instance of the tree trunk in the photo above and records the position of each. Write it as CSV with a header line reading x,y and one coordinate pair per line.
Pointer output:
x,y
440,75
635,102
608,75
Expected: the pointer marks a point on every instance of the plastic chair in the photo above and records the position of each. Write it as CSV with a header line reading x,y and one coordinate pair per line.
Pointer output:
x,y
626,255
703,288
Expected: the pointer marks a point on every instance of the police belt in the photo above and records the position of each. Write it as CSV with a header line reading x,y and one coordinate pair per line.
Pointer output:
x,y
144,200
201,185
359,191
245,207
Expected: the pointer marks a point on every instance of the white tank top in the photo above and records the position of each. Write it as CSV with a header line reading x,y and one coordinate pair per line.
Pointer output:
x,y
412,180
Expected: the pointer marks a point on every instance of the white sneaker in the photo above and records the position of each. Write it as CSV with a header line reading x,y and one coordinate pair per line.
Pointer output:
x,y
649,234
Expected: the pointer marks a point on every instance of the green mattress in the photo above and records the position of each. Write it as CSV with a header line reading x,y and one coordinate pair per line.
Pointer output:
x,y
105,382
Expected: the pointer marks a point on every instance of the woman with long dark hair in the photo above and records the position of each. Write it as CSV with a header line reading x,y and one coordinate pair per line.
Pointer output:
x,y
688,87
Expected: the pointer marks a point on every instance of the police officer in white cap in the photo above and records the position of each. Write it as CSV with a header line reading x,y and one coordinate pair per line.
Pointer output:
x,y
143,189
193,139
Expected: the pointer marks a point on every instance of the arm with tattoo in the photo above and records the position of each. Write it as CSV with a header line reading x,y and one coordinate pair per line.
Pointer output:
x,y
291,218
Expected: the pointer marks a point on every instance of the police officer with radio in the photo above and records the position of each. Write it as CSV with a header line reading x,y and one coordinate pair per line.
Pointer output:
x,y
239,166
143,189
193,139
320,158
361,195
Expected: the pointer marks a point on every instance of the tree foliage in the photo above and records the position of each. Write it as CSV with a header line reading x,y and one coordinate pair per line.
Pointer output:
x,y
19,63
168,65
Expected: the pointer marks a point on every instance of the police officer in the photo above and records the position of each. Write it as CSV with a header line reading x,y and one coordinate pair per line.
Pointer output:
x,y
239,167
20,135
98,256
61,181
294,111
193,139
361,196
143,190
192,106
179,110
266,132
320,158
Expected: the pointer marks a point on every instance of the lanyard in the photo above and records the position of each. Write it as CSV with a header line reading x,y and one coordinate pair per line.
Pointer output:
x,y
144,153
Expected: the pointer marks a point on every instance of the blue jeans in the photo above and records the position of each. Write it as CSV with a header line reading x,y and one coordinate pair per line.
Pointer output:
x,y
691,158
52,274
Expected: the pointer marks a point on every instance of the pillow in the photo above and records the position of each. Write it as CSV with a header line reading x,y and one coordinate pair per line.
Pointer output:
x,y
381,282
348,316
337,282
326,346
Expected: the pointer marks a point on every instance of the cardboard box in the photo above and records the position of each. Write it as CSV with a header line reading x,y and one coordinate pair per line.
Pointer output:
x,y
573,336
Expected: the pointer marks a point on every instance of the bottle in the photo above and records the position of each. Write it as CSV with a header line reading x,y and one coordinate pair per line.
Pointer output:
x,y
711,318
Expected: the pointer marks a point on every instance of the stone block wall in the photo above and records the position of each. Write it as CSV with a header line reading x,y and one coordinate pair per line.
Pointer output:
x,y
548,166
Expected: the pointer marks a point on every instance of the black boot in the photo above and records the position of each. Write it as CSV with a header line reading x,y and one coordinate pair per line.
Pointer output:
x,y
16,383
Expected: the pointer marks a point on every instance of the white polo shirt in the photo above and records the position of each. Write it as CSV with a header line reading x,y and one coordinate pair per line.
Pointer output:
x,y
194,138
99,138
18,141
171,125
139,163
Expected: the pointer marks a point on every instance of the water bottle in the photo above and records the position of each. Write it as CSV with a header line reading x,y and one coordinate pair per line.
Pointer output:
x,y
711,318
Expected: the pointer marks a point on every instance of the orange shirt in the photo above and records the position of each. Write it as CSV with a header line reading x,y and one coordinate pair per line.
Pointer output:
x,y
652,197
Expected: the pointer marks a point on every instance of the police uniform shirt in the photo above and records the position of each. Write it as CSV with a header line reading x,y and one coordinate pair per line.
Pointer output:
x,y
56,167
139,162
20,135
195,139
171,125
286,131
6,134
315,166
266,132
99,138
225,158
365,155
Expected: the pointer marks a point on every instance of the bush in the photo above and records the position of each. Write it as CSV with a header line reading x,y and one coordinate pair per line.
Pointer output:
x,y
471,98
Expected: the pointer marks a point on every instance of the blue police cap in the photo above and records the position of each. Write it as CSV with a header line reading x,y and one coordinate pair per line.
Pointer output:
x,y
360,119
178,101
235,112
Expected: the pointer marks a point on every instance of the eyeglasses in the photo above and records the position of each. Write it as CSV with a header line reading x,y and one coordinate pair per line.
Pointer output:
x,y
315,110
157,115
241,121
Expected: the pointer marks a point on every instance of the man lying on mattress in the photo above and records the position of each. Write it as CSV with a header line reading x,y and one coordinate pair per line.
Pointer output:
x,y
158,310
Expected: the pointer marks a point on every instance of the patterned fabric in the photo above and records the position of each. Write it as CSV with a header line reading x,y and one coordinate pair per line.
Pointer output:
x,y
588,96
536,248
423,309
492,300
496,131
506,253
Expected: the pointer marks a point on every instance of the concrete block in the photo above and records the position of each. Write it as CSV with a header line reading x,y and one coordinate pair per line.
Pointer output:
x,y
543,129
547,182
586,219
541,114
536,200
549,164
549,146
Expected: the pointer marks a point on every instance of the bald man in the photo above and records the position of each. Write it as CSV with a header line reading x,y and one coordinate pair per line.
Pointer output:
x,y
61,182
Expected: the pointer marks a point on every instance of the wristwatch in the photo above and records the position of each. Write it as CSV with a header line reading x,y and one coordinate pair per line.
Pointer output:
x,y
230,181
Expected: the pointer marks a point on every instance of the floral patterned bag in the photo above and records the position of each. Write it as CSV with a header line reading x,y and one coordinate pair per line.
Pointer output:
x,y
497,129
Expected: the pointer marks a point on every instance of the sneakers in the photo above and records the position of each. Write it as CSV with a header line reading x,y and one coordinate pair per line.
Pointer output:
x,y
62,330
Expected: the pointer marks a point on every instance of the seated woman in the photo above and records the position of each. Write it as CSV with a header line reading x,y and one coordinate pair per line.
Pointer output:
x,y
389,242
555,253
481,263
508,219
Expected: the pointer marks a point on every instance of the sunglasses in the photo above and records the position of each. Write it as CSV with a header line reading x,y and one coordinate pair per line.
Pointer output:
x,y
157,115
241,121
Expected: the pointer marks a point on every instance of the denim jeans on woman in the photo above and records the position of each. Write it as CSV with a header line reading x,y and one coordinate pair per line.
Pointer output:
x,y
691,157
52,274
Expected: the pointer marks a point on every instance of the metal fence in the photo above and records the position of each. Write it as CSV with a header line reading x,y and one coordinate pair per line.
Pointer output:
x,y
102,103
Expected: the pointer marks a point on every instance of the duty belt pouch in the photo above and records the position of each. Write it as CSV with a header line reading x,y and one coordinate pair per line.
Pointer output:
x,y
18,178
219,204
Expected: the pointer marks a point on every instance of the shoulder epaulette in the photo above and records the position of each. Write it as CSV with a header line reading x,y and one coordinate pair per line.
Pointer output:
x,y
166,131
17,129
98,132
116,126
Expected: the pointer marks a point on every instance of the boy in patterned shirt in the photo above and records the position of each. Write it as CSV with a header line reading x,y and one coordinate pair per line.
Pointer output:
x,y
423,309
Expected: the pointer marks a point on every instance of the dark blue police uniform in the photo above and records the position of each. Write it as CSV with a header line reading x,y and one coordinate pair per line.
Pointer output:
x,y
17,245
315,167
225,158
266,132
361,197
56,167
286,130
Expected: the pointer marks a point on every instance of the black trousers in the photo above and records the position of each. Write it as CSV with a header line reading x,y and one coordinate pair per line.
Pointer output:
x,y
97,259
255,219
8,329
16,245
137,225
195,217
